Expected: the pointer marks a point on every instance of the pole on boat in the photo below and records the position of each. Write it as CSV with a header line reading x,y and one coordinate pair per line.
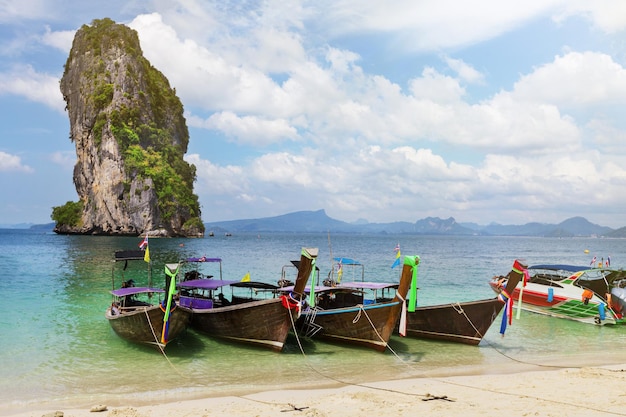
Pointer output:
x,y
171,270
409,267
306,269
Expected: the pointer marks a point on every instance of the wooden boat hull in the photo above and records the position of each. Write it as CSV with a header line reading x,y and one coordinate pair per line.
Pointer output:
x,y
145,324
464,322
370,326
264,323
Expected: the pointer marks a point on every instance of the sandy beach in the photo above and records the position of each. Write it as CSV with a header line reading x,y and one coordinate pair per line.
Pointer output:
x,y
586,391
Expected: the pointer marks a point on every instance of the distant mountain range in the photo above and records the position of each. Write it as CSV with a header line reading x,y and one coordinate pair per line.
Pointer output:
x,y
318,221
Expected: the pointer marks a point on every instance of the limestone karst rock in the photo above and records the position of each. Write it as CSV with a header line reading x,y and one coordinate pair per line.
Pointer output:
x,y
130,134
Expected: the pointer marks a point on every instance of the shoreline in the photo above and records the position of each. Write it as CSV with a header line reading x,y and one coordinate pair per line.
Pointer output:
x,y
583,391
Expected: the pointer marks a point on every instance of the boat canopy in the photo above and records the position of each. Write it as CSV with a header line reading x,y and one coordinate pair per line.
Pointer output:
x,y
558,267
129,255
367,285
307,289
255,285
123,292
346,268
206,284
347,261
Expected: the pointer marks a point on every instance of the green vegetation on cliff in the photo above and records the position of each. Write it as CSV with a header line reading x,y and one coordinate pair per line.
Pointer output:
x,y
172,179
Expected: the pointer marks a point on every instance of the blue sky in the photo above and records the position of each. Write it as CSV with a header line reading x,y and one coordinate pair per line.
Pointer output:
x,y
486,111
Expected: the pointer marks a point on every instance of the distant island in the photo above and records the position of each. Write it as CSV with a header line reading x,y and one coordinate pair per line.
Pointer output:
x,y
319,222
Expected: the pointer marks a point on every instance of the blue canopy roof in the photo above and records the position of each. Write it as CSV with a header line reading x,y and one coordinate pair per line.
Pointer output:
x,y
347,261
559,267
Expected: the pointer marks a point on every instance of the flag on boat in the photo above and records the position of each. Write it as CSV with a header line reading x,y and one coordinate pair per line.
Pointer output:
x,y
339,271
246,278
146,255
397,261
593,261
144,246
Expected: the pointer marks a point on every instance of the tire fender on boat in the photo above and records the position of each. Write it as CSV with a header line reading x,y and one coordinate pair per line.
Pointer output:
x,y
289,302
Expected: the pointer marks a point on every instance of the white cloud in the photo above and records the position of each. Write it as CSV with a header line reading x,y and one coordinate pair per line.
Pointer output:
x,y
412,183
204,78
575,79
606,137
607,15
432,25
216,180
436,87
12,163
465,71
506,125
284,169
65,159
12,11
342,100
251,130
24,80
61,40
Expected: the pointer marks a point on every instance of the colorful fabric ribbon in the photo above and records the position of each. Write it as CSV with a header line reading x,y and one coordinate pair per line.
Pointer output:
x,y
507,314
402,325
413,262
170,295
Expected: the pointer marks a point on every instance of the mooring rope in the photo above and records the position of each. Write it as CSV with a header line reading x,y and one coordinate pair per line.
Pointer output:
x,y
492,346
160,345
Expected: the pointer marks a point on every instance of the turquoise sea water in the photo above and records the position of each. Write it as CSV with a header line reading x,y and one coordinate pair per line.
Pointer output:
x,y
57,348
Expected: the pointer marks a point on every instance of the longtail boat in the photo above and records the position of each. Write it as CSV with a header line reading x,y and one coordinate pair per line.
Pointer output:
x,y
343,312
462,322
588,294
262,318
144,314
